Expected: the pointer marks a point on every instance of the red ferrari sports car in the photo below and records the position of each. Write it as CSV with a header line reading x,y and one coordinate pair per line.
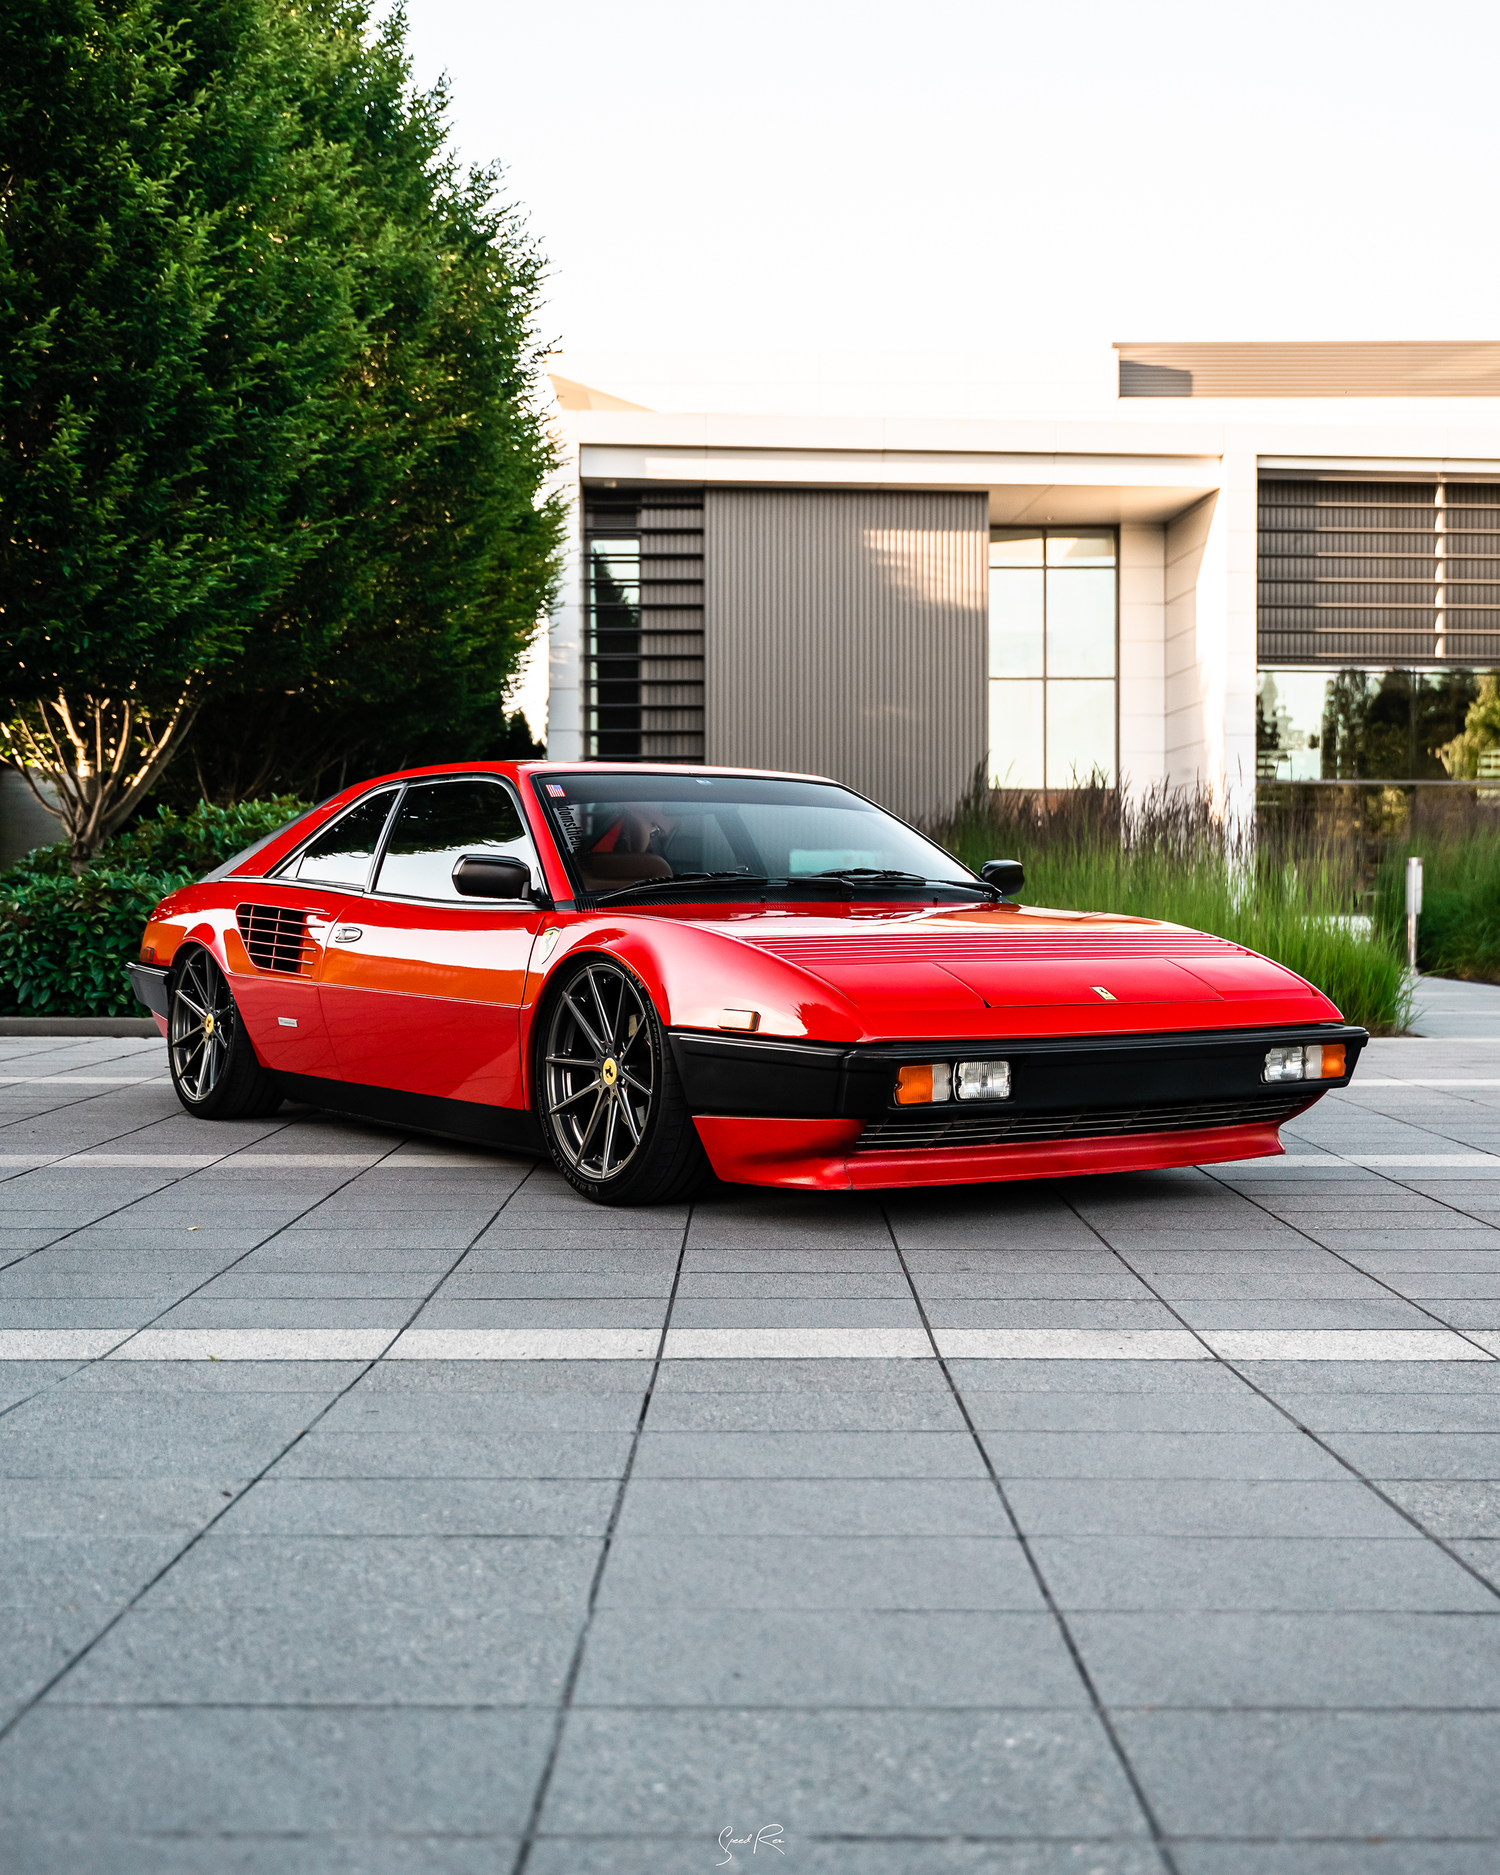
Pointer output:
x,y
651,972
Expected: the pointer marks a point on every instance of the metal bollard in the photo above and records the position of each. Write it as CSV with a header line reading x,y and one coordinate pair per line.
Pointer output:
x,y
1413,908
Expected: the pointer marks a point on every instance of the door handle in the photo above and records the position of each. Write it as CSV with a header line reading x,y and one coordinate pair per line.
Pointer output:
x,y
347,934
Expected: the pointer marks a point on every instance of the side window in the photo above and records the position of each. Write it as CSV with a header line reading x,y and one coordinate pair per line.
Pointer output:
x,y
342,854
442,821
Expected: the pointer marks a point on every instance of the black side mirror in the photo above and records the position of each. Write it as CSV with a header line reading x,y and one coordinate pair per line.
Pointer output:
x,y
1006,875
485,875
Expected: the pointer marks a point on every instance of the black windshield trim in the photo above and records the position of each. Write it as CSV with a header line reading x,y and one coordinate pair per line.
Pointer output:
x,y
586,900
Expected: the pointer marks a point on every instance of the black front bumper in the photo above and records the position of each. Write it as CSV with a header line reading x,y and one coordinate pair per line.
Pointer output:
x,y
150,986
1060,1085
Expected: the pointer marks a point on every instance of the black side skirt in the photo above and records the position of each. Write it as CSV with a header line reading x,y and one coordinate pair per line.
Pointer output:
x,y
512,1128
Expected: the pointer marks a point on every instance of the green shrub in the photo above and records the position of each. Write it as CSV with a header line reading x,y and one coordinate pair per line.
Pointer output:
x,y
65,940
1168,856
1458,933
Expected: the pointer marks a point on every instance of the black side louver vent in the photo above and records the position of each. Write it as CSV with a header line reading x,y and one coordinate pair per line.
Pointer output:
x,y
274,936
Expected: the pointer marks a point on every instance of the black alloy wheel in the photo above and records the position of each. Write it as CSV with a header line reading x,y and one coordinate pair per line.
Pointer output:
x,y
608,1094
214,1067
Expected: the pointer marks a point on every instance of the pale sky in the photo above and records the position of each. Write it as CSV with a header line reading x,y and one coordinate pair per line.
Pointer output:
x,y
816,175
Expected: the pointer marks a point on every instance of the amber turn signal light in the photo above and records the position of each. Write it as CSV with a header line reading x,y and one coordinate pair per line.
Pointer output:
x,y
1312,1061
928,1081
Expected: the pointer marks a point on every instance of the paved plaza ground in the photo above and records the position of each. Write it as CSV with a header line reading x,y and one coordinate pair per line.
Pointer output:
x,y
372,1504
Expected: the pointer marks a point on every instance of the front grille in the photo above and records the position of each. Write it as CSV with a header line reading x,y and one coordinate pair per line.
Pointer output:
x,y
1009,1129
276,938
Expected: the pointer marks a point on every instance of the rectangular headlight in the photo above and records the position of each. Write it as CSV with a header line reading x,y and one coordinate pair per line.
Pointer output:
x,y
983,1080
1283,1064
1314,1061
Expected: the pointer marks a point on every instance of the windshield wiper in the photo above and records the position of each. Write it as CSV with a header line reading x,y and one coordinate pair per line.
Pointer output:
x,y
997,897
889,877
867,875
680,878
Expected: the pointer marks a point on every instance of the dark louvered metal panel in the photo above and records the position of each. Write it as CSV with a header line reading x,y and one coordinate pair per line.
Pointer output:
x,y
1404,573
276,938
848,637
1014,1129
643,671
1332,368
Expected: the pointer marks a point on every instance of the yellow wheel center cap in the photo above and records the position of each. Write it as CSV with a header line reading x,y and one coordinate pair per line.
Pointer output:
x,y
208,1025
610,1072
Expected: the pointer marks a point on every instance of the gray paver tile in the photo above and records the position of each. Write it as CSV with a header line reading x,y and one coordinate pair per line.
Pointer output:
x,y
1420,1454
864,1411
636,1773
1404,1857
827,1658
1186,1455
31,1507
821,1454
1200,1507
813,1507
272,1312
863,1855
513,1454
1406,1412
422,1507
330,1650
1318,1774
1395,1659
214,1769
1286,1574
646,1313
948,1312
773,1572
1391,1312
998,1409
310,1852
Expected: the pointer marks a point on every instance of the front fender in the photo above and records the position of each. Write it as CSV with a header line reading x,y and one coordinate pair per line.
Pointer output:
x,y
693,976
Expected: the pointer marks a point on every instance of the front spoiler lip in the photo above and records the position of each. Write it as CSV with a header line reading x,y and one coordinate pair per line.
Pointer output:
x,y
819,1155
150,985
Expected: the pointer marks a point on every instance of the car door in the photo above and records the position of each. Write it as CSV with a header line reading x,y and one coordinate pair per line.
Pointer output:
x,y
278,943
422,986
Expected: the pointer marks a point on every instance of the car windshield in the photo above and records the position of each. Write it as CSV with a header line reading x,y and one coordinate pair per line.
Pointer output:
x,y
736,834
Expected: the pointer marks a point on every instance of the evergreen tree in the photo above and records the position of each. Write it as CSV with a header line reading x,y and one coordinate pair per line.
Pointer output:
x,y
265,433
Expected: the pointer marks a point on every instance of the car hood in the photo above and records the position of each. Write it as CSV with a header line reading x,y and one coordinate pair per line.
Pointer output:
x,y
1018,971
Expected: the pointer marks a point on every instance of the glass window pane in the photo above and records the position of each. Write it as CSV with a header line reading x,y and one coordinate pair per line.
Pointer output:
x,y
1080,624
1015,546
1016,735
341,854
1289,724
1093,548
1080,733
440,823
1015,623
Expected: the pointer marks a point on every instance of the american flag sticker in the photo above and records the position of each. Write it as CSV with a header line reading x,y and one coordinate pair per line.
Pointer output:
x,y
556,792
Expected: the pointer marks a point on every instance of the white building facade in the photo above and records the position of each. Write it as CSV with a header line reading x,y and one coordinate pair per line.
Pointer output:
x,y
1186,564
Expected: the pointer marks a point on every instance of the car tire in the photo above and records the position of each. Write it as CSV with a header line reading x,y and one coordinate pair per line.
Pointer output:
x,y
608,1094
213,1063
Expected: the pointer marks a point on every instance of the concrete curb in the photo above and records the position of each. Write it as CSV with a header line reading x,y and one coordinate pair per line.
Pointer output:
x,y
78,1025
